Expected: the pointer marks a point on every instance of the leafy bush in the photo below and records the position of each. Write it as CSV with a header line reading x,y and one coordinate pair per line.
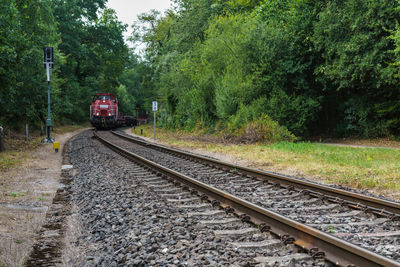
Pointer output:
x,y
261,129
247,113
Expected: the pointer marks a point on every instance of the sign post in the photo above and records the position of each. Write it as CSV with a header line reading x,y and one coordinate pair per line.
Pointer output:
x,y
48,64
2,148
155,104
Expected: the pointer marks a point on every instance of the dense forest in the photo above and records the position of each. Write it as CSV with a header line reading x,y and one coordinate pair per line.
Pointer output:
x,y
315,67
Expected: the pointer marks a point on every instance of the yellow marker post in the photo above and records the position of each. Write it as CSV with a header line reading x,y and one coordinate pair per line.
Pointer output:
x,y
56,146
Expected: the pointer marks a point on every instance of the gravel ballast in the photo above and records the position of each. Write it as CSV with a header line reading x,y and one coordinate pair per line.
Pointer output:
x,y
129,216
319,213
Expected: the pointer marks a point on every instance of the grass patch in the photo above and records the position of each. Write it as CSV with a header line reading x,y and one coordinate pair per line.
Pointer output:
x,y
356,167
18,148
15,194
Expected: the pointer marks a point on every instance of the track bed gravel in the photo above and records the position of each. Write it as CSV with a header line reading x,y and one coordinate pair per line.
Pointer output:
x,y
380,235
131,217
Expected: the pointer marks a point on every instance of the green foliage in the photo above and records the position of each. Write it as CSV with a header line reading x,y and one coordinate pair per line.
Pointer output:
x,y
354,43
262,129
15,194
24,31
96,55
315,67
90,56
247,113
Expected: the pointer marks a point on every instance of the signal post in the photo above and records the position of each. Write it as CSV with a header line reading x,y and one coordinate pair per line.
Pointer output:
x,y
155,107
48,64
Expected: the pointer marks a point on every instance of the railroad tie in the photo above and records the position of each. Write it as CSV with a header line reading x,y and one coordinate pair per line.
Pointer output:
x,y
240,232
224,221
265,244
176,200
282,259
207,213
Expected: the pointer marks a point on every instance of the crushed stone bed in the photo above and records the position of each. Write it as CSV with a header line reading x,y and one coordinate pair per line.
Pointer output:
x,y
126,218
301,207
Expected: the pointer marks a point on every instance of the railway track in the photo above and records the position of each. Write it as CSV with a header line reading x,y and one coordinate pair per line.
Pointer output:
x,y
326,226
129,215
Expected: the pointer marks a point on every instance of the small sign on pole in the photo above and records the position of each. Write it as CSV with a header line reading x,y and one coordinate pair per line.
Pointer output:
x,y
155,107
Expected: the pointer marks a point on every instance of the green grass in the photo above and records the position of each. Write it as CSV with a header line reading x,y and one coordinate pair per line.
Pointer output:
x,y
142,130
8,160
342,156
360,167
15,194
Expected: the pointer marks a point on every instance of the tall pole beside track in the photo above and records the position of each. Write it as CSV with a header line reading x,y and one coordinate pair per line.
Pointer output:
x,y
155,107
2,148
48,64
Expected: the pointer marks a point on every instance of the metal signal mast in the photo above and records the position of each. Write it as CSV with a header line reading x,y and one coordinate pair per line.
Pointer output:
x,y
48,64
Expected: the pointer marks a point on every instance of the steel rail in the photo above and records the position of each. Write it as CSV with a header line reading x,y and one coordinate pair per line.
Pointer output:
x,y
356,200
337,251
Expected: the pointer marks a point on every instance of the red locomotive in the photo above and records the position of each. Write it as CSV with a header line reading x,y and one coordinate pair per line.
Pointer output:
x,y
104,112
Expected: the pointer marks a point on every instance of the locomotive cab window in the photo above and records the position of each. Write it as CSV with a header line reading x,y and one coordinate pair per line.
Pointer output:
x,y
101,97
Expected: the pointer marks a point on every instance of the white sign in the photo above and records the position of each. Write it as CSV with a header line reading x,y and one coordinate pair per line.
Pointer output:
x,y
155,105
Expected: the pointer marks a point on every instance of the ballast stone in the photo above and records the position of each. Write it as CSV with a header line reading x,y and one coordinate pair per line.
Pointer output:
x,y
67,167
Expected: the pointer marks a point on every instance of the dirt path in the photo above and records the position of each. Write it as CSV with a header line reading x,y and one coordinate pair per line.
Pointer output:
x,y
26,192
365,143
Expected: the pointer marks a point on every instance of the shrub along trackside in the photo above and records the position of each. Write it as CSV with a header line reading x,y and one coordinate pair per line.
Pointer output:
x,y
262,129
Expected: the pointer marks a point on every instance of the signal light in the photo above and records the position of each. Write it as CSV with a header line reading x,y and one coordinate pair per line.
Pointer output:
x,y
48,57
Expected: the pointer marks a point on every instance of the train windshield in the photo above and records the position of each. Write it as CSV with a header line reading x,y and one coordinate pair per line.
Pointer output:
x,y
101,97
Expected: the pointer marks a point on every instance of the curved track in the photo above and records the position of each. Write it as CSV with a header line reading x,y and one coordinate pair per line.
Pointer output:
x,y
286,210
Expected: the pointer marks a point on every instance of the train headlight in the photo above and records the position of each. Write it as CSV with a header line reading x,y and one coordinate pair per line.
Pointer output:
x,y
97,114
109,113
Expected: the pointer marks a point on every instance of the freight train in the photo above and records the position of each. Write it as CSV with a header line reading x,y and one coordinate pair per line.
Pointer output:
x,y
104,113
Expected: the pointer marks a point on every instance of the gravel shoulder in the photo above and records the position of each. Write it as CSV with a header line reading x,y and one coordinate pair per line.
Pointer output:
x,y
26,193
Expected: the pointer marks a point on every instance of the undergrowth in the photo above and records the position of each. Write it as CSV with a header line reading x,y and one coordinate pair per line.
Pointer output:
x,y
263,129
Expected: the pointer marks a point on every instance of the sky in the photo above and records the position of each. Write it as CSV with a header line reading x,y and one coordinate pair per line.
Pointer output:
x,y
128,10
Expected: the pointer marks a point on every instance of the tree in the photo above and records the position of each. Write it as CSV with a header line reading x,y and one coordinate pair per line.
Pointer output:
x,y
95,54
353,38
27,29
